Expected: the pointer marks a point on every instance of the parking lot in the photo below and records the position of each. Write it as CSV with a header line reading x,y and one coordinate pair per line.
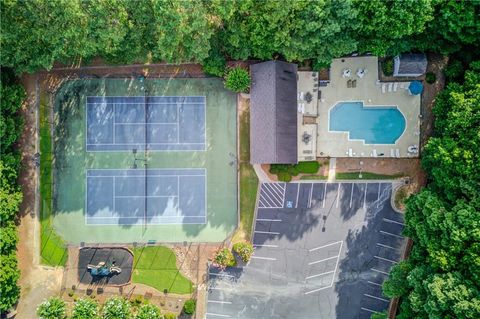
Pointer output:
x,y
322,250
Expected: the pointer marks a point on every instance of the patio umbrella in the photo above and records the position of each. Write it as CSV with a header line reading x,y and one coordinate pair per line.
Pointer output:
x,y
415,87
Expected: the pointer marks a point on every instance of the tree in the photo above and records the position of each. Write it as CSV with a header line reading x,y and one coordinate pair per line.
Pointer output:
x,y
224,258
244,250
11,123
149,311
8,237
85,309
9,274
189,306
52,308
237,80
116,308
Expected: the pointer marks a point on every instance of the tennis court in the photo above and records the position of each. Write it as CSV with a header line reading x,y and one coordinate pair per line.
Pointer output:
x,y
145,196
157,123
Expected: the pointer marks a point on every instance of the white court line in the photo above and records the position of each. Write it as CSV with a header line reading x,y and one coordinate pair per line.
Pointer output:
x,y
312,291
324,195
310,197
113,199
322,274
319,261
271,246
220,275
263,258
338,196
374,283
266,232
268,220
394,235
378,196
365,196
379,271
327,245
393,221
386,246
298,192
369,310
385,259
218,301
351,196
142,196
217,315
378,298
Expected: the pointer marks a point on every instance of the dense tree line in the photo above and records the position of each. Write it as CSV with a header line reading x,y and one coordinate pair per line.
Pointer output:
x,y
11,124
441,279
37,33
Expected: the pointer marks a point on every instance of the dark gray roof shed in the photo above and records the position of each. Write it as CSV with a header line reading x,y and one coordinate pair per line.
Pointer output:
x,y
273,113
410,64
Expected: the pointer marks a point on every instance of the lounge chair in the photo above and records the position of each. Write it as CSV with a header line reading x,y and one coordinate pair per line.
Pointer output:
x,y
354,83
383,87
392,152
397,152
350,152
395,85
390,87
374,153
349,83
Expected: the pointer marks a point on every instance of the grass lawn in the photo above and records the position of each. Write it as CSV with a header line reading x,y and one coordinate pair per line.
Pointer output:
x,y
313,177
156,267
366,175
248,182
53,251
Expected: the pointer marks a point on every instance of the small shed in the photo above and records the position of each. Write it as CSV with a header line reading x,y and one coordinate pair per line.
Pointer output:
x,y
410,64
273,113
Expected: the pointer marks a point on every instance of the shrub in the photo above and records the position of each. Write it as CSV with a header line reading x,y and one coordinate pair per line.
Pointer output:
x,y
214,64
308,167
85,309
225,258
284,177
387,66
430,77
244,250
189,307
170,315
285,172
52,308
237,80
149,311
116,308
454,71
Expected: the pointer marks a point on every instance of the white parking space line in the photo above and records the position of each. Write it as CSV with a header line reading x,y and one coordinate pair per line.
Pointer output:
x,y
310,197
274,190
378,197
338,195
270,246
386,246
263,258
379,271
217,315
393,221
378,298
312,291
351,195
336,264
321,260
220,275
266,232
327,245
284,190
298,192
374,283
386,259
365,196
322,274
369,310
394,235
219,301
268,220
324,195
266,195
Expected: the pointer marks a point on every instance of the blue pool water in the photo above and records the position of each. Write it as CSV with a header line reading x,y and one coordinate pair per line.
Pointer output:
x,y
374,125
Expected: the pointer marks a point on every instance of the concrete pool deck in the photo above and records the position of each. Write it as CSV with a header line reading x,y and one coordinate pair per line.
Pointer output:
x,y
369,90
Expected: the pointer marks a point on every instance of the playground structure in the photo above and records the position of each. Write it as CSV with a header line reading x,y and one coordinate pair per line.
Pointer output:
x,y
102,269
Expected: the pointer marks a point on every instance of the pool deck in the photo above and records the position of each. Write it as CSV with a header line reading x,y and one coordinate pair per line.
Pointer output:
x,y
369,90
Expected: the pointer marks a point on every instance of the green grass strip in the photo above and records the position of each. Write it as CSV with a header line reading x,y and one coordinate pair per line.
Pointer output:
x,y
248,195
156,266
366,175
53,251
313,177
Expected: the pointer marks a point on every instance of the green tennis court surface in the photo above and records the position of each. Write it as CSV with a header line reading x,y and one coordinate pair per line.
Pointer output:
x,y
116,128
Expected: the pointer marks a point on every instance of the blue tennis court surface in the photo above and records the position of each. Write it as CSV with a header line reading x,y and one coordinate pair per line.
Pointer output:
x,y
152,196
157,123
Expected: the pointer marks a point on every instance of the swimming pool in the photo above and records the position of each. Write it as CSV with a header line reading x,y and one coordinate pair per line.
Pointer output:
x,y
374,125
